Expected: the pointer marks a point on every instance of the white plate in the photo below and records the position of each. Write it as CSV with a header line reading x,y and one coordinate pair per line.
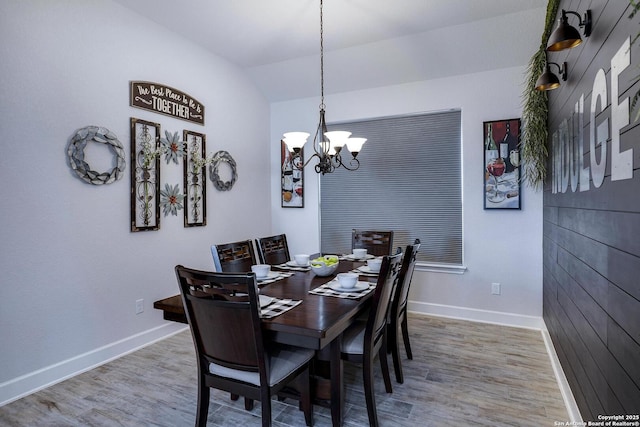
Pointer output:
x,y
359,287
353,258
295,264
271,275
265,300
367,269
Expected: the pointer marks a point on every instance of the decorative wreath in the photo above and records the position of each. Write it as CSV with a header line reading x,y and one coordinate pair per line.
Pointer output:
x,y
76,155
218,158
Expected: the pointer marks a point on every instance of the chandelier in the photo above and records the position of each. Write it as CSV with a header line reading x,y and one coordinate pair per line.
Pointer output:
x,y
327,146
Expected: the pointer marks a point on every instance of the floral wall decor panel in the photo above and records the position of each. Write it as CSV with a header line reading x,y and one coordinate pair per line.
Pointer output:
x,y
145,175
195,161
76,155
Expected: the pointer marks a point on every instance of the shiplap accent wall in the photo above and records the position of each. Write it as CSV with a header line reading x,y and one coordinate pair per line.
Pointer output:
x,y
591,244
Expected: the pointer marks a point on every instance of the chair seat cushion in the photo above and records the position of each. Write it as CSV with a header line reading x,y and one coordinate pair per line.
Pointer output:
x,y
353,338
282,360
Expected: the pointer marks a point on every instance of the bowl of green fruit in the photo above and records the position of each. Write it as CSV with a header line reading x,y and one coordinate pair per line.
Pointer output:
x,y
325,265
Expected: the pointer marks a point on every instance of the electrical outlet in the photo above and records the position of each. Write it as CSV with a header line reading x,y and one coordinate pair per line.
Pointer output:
x,y
495,289
139,306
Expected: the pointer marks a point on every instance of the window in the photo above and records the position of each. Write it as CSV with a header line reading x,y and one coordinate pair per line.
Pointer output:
x,y
409,181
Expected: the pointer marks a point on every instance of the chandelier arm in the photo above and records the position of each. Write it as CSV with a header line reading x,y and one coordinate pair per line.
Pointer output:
x,y
308,160
351,162
336,160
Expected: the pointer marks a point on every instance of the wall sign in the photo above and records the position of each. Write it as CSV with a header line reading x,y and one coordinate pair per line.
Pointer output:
x,y
570,167
165,100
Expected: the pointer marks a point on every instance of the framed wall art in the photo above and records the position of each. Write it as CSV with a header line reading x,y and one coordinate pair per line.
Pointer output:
x,y
195,208
145,175
292,177
501,164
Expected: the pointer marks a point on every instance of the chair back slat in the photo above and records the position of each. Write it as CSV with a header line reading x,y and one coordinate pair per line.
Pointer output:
x,y
226,333
378,243
236,257
399,305
224,317
273,250
387,282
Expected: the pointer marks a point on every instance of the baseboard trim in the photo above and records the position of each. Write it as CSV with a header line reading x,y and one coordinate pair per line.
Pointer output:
x,y
567,395
476,315
32,382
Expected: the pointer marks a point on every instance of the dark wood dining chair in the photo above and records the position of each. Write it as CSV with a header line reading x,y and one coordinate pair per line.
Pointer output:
x,y
273,250
376,243
236,257
398,311
364,339
223,312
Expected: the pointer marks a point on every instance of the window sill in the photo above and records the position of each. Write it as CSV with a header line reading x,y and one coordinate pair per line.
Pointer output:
x,y
441,268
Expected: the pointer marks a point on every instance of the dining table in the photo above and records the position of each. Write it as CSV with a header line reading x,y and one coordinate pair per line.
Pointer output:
x,y
317,322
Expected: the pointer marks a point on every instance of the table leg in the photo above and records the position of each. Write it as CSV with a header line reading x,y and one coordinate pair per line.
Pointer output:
x,y
337,383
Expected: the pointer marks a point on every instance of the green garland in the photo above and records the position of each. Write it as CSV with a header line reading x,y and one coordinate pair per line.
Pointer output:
x,y
535,132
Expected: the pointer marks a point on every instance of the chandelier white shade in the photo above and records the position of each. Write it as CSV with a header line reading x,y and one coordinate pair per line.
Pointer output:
x,y
295,140
355,144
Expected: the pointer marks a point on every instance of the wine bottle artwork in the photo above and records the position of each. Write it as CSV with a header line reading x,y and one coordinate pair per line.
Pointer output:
x,y
287,174
292,177
502,164
491,149
505,148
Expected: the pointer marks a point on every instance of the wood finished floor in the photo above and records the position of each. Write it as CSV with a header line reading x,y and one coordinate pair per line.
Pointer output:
x,y
463,374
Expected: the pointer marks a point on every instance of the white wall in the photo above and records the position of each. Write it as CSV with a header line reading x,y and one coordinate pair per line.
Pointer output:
x,y
71,269
499,246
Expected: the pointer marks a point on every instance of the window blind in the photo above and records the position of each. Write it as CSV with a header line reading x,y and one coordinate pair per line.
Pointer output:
x,y
409,181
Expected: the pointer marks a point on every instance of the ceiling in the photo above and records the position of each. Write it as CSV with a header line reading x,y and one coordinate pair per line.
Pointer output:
x,y
269,38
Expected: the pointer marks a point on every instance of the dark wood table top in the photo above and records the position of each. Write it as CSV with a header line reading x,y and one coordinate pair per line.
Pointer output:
x,y
318,319
314,323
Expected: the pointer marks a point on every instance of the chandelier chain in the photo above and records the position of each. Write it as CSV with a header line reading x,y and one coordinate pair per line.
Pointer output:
x,y
326,150
321,60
